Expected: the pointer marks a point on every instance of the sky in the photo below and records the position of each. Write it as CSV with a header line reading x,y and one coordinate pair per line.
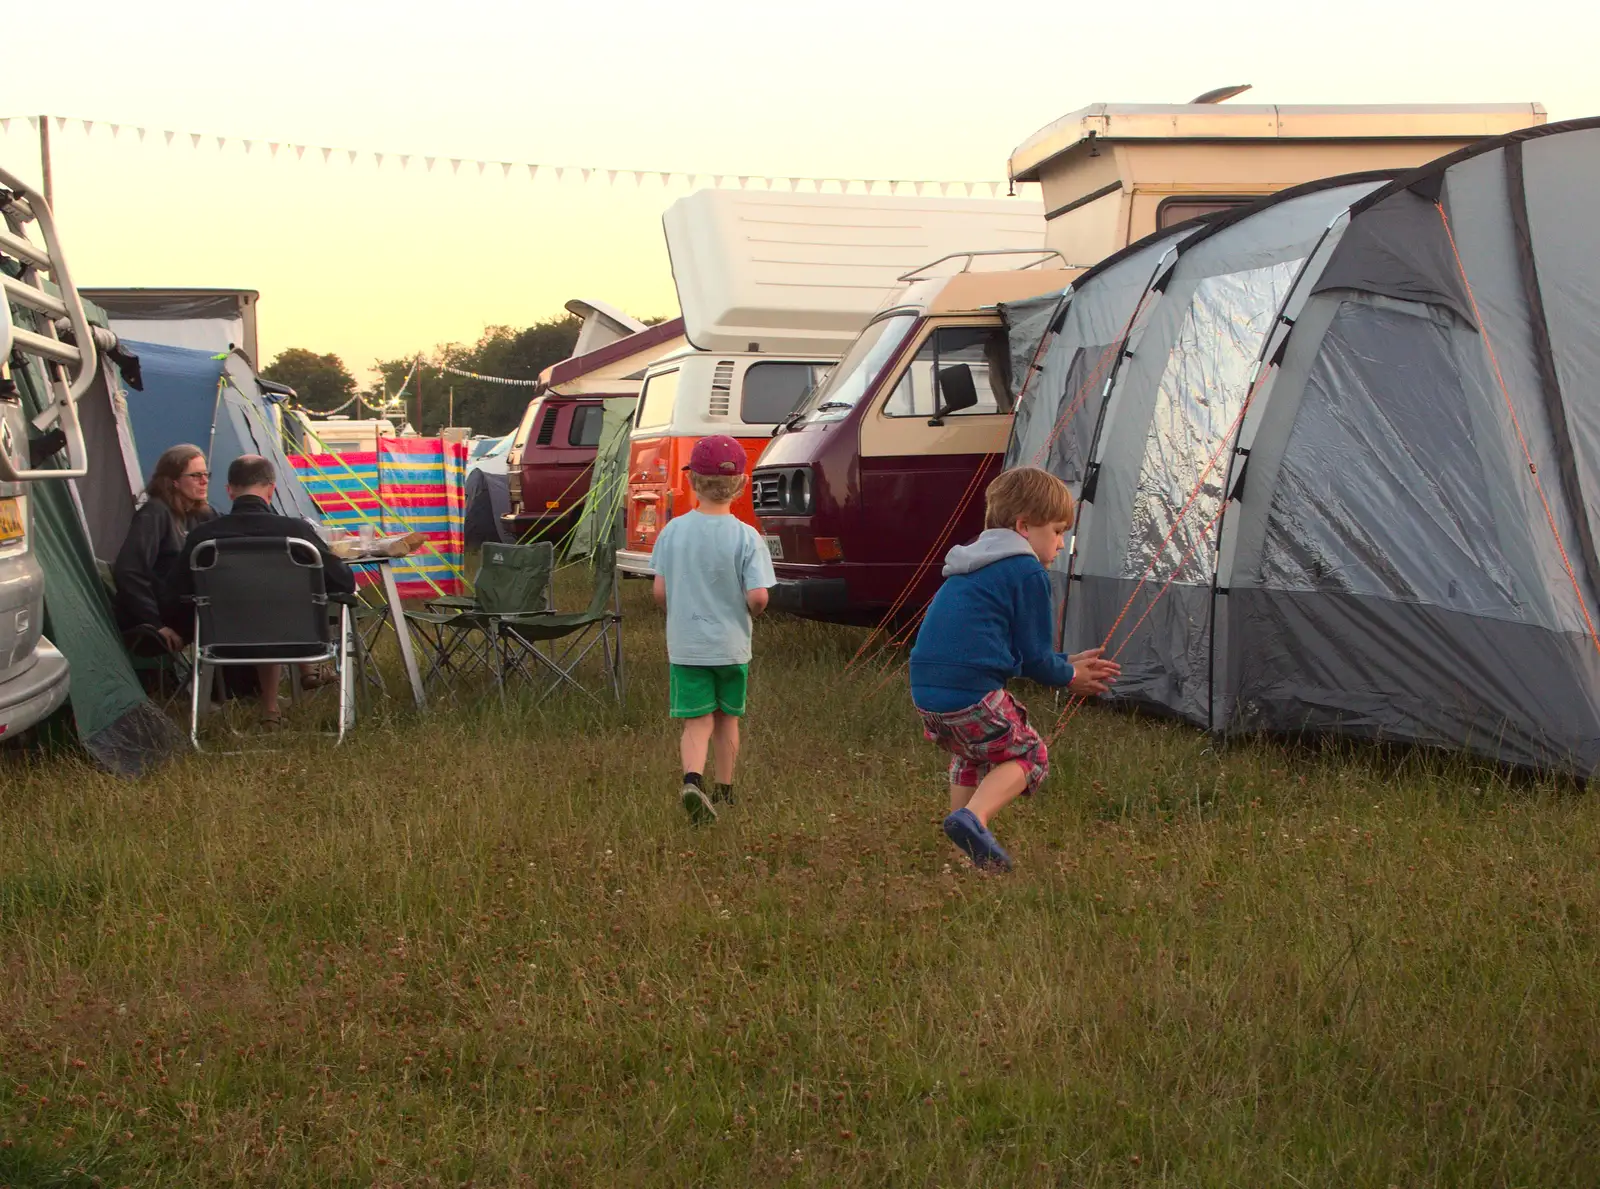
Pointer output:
x,y
380,261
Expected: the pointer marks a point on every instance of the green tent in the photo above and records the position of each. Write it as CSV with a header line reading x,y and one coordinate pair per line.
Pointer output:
x,y
115,721
608,485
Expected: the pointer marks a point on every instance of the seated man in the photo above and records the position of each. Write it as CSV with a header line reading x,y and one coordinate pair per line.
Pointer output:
x,y
250,485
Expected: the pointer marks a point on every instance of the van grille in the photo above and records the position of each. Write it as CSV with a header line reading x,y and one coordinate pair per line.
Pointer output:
x,y
721,389
547,427
782,492
766,493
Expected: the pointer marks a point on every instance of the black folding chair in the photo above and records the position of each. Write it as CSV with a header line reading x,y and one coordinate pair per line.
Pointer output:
x,y
262,601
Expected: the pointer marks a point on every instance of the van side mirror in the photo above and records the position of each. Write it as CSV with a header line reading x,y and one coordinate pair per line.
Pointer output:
x,y
956,391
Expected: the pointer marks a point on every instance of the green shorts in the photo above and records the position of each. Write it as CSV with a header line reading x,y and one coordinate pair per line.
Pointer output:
x,y
697,690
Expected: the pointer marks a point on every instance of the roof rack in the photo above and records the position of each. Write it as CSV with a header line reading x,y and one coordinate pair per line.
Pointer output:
x,y
69,367
966,258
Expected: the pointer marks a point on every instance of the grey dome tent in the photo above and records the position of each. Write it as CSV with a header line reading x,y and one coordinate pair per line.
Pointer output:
x,y
1394,386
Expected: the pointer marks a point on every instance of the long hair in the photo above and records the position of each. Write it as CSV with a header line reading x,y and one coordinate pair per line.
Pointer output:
x,y
163,484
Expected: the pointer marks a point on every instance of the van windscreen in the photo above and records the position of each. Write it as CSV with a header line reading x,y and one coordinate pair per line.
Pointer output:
x,y
849,381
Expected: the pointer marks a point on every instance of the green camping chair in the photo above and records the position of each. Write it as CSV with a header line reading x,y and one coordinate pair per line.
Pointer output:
x,y
458,635
552,646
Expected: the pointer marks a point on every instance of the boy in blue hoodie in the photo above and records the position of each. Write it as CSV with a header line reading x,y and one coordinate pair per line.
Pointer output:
x,y
990,622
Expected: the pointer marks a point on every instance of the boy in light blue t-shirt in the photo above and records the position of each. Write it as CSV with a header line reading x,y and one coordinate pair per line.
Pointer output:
x,y
712,574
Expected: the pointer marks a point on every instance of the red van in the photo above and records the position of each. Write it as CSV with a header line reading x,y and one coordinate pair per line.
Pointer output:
x,y
855,496
551,457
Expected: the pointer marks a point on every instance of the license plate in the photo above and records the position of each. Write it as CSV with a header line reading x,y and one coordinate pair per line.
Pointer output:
x,y
10,519
774,545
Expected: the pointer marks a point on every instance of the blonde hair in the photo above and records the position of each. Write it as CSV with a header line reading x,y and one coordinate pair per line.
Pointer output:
x,y
716,489
1030,494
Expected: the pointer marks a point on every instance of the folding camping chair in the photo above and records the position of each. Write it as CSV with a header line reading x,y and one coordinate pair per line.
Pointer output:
x,y
459,634
569,638
262,601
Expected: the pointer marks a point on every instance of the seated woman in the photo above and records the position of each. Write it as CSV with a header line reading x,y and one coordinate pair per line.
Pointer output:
x,y
176,505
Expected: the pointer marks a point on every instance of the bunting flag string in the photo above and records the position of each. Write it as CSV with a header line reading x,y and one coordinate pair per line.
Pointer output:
x,y
639,178
456,371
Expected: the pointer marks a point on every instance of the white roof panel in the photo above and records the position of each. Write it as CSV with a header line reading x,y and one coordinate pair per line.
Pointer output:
x,y
804,272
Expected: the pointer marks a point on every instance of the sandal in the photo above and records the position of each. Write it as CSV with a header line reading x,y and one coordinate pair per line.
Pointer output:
x,y
320,675
271,722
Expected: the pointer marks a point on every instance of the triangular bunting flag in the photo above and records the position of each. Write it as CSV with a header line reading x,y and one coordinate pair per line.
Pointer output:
x,y
794,185
666,179
505,169
994,188
222,141
919,186
430,161
586,174
169,136
299,151
405,160
611,177
194,139
61,123
273,146
481,164
743,182
326,153
560,169
33,123
141,135
693,178
115,128
248,145
5,123
378,157
716,180
968,186
455,164
88,126
352,154
533,172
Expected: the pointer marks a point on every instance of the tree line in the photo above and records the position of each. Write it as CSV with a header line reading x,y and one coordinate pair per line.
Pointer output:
x,y
324,383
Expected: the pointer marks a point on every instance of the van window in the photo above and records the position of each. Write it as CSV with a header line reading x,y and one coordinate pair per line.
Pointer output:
x,y
657,400
772,391
585,428
1182,208
981,348
526,426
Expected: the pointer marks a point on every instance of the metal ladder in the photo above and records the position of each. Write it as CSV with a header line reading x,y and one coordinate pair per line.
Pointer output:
x,y
69,367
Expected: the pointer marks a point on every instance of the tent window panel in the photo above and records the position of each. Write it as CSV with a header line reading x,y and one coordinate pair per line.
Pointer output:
x,y
1382,489
1202,390
1055,434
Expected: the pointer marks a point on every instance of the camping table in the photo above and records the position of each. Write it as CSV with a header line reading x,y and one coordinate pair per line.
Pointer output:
x,y
396,617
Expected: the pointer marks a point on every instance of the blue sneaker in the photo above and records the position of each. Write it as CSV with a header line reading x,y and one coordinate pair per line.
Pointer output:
x,y
965,830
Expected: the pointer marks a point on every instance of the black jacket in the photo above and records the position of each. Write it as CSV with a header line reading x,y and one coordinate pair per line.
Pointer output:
x,y
146,560
251,517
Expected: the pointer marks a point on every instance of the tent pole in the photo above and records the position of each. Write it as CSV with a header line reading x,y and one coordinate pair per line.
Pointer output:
x,y
48,189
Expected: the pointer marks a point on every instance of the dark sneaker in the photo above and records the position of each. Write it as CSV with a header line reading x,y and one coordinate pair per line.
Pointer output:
x,y
965,830
701,811
722,794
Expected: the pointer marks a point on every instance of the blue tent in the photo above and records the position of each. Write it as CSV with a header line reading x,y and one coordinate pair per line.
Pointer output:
x,y
219,405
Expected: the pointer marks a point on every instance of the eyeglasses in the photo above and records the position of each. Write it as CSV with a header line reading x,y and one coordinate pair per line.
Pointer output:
x,y
195,475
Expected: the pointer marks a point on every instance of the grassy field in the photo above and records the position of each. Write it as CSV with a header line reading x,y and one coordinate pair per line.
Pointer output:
x,y
484,947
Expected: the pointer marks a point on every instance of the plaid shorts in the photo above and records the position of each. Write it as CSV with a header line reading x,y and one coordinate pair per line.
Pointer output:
x,y
993,731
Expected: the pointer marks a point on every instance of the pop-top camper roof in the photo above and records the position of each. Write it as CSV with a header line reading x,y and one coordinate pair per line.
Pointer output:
x,y
804,272
1111,122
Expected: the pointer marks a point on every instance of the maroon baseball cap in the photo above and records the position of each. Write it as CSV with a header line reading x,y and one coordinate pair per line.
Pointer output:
x,y
717,455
